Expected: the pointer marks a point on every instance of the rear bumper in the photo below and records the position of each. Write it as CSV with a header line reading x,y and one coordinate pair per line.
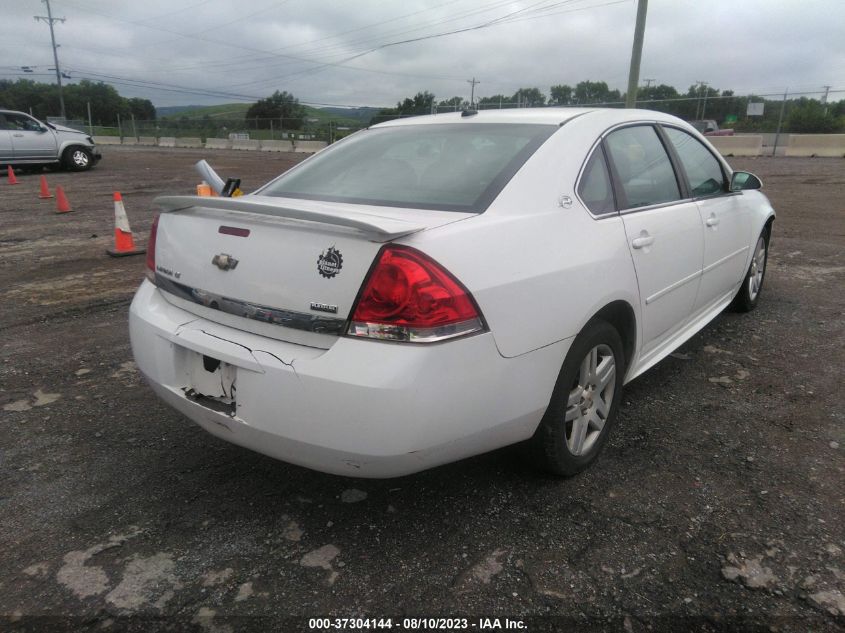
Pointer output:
x,y
361,408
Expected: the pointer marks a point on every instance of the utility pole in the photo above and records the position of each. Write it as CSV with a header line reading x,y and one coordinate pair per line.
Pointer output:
x,y
473,81
780,121
704,105
824,98
636,55
700,84
648,83
50,20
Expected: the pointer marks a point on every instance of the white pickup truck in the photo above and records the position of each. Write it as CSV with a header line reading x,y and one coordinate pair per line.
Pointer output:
x,y
27,142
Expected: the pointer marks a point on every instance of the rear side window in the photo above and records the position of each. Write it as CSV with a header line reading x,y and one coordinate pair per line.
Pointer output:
x,y
594,188
644,169
449,167
703,169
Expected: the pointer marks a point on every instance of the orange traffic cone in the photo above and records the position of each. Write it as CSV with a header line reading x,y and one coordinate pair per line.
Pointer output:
x,y
62,205
123,243
11,173
45,190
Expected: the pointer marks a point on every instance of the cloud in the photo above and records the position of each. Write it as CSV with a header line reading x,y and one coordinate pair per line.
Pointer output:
x,y
214,51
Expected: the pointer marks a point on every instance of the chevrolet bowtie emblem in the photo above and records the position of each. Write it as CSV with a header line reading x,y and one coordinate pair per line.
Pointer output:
x,y
224,261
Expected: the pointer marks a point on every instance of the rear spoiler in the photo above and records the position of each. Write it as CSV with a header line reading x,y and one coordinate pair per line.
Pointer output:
x,y
380,227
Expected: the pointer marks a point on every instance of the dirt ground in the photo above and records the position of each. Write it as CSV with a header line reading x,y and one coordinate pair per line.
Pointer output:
x,y
718,505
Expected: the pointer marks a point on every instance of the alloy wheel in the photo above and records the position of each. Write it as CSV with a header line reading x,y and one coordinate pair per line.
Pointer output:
x,y
590,399
758,267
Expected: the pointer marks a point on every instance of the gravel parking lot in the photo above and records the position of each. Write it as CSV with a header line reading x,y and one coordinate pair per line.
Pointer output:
x,y
718,505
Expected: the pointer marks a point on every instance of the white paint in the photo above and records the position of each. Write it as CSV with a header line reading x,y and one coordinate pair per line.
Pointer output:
x,y
38,569
18,406
89,580
147,582
245,592
205,619
292,532
489,567
352,495
213,578
321,557
42,398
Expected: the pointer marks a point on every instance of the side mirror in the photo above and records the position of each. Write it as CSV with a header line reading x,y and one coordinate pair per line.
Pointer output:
x,y
743,180
42,129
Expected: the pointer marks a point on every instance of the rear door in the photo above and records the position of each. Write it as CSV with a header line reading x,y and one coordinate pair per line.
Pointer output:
x,y
30,139
726,221
663,228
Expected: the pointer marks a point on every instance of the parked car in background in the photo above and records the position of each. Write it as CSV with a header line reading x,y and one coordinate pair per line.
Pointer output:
x,y
27,142
709,127
436,287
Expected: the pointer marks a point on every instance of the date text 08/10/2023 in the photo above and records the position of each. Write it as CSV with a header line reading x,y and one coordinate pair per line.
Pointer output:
x,y
417,624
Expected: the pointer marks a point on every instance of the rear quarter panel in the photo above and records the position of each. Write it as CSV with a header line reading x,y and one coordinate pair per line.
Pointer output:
x,y
539,271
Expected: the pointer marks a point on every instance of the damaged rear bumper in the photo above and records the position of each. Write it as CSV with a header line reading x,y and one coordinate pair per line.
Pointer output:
x,y
359,408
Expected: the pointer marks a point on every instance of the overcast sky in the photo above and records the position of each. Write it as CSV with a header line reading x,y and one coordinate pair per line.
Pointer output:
x,y
333,51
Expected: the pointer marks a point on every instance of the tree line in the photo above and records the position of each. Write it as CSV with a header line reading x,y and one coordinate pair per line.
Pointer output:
x,y
801,115
42,100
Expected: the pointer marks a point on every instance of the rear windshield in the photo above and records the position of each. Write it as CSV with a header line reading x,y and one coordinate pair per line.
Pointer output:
x,y
449,167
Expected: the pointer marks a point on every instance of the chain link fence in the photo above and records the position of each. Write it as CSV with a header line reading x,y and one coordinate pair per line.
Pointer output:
x,y
205,128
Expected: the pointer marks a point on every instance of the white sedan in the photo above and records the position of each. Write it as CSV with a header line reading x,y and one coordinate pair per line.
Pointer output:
x,y
437,287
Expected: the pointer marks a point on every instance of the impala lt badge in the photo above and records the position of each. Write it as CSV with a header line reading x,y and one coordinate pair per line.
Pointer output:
x,y
224,261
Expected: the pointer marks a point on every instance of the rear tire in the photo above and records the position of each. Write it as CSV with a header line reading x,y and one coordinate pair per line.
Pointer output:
x,y
77,159
584,402
752,284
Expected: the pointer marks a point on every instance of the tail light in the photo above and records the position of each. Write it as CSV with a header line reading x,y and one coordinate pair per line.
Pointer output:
x,y
407,296
151,251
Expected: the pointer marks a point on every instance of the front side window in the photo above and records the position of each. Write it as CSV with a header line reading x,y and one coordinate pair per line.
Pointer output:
x,y
21,122
703,169
595,189
643,166
450,167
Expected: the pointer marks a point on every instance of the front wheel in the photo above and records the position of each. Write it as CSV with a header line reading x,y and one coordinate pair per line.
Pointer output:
x,y
78,159
584,402
752,285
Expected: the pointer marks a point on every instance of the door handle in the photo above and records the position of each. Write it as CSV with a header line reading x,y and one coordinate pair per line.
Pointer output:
x,y
712,221
642,241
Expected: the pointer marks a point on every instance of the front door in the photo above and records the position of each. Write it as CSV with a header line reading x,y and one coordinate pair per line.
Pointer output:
x,y
726,221
30,140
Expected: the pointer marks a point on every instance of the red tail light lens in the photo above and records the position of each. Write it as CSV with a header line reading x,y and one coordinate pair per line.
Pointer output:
x,y
409,297
151,251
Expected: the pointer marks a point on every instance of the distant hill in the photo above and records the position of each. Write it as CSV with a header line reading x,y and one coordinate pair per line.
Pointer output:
x,y
343,116
222,111
166,111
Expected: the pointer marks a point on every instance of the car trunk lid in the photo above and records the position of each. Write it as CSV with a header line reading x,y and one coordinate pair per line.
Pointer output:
x,y
288,269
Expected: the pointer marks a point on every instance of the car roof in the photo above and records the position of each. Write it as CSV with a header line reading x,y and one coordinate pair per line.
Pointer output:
x,y
540,116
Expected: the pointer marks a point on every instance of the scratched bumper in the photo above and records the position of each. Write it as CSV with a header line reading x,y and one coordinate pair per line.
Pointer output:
x,y
360,408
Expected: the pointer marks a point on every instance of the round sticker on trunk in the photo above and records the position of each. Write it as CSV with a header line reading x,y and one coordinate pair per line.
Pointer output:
x,y
329,262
